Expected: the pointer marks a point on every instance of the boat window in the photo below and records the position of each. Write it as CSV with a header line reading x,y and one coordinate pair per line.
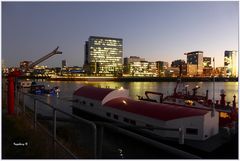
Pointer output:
x,y
108,114
133,122
150,127
91,104
191,131
83,102
115,117
126,120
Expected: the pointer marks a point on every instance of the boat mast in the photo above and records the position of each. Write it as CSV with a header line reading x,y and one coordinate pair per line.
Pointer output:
x,y
213,105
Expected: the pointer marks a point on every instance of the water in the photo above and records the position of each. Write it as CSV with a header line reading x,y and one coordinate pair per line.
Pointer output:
x,y
138,88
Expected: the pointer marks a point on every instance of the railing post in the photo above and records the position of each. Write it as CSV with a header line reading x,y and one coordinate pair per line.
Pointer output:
x,y
181,136
100,132
23,103
35,113
54,130
54,124
94,142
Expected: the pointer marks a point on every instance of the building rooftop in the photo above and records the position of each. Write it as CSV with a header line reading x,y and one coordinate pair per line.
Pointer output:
x,y
193,52
101,37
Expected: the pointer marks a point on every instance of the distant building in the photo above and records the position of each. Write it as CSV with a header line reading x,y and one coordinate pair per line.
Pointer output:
x,y
192,70
64,63
132,59
221,72
181,64
103,55
177,63
161,68
207,61
207,71
230,62
172,72
127,61
139,68
195,58
207,68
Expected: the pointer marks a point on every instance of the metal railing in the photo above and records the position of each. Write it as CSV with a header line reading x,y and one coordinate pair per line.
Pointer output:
x,y
54,116
98,128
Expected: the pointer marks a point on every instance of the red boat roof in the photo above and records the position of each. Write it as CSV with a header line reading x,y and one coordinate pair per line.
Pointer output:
x,y
92,92
154,110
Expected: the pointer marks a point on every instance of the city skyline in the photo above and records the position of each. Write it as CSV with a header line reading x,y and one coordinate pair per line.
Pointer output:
x,y
157,31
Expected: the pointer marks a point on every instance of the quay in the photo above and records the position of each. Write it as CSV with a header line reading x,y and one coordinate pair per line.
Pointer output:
x,y
132,79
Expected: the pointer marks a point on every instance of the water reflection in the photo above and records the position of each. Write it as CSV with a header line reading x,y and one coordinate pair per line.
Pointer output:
x,y
138,88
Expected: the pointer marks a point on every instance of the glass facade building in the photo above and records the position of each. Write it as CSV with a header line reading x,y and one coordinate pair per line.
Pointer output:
x,y
196,58
230,62
207,61
104,55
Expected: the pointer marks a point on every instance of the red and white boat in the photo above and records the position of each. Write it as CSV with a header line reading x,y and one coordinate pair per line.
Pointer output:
x,y
228,114
116,105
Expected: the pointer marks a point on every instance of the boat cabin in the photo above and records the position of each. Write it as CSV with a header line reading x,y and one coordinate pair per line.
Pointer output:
x,y
116,105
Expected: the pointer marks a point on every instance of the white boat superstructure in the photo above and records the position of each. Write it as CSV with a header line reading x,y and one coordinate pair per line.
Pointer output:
x,y
115,105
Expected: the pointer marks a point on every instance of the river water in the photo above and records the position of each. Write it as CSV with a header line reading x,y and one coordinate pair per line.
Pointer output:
x,y
138,88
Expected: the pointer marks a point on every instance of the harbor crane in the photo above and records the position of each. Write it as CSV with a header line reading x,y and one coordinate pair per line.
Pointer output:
x,y
55,51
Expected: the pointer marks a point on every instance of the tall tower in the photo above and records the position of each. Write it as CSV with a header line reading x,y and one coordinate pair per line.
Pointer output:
x,y
104,55
230,62
195,61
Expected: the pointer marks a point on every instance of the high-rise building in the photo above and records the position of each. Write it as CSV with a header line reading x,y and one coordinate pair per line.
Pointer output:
x,y
230,62
195,58
64,63
103,55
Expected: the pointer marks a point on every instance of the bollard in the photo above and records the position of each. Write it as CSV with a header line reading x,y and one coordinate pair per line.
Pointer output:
x,y
10,95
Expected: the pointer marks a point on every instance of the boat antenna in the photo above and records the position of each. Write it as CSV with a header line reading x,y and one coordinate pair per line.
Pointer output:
x,y
213,105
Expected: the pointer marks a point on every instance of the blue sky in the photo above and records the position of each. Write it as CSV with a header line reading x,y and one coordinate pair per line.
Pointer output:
x,y
153,30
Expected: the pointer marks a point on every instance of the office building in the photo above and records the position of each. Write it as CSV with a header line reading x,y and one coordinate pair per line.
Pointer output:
x,y
230,62
195,58
161,68
127,61
207,61
142,68
192,70
103,55
181,64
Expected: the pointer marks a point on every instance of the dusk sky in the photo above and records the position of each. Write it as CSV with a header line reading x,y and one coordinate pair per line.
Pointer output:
x,y
156,31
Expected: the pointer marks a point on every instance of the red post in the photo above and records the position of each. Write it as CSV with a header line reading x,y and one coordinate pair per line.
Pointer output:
x,y
10,95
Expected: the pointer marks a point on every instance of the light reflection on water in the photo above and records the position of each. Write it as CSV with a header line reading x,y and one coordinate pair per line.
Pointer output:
x,y
138,88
